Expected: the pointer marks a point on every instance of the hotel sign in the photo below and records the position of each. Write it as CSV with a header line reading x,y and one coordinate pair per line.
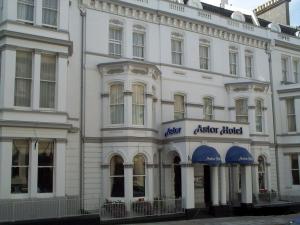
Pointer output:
x,y
216,130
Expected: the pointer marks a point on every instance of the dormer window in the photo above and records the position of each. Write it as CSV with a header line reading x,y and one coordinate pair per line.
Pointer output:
x,y
238,16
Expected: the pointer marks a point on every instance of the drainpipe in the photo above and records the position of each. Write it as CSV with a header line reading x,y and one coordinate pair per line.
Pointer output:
x,y
82,104
268,52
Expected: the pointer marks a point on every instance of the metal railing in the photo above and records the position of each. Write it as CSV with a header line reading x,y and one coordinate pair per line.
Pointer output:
x,y
33,209
117,209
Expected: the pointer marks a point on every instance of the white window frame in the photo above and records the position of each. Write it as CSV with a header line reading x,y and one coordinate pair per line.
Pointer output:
x,y
140,175
176,38
234,66
262,172
51,9
135,45
207,60
296,70
285,70
239,117
136,104
179,114
117,27
112,176
208,116
259,115
33,11
296,169
116,104
249,69
291,115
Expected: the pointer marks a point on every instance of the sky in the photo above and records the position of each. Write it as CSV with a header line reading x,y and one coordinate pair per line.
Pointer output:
x,y
252,4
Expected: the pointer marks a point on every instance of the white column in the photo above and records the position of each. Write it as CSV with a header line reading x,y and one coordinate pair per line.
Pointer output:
x,y
128,108
63,13
214,185
255,184
60,152
168,179
33,169
5,169
8,74
223,185
62,71
36,71
128,173
235,181
148,114
246,188
187,186
150,182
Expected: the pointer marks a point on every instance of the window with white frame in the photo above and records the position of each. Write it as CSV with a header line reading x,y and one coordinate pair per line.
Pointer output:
x,y
20,167
296,69
139,176
45,179
204,52
23,78
50,9
117,104
1,10
179,106
138,104
241,108
233,61
249,64
295,169
48,81
291,115
115,40
261,173
208,109
117,176
259,115
25,10
138,38
284,68
177,49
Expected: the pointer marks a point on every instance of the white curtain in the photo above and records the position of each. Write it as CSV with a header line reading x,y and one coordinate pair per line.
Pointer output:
x,y
248,62
50,8
117,104
115,41
48,81
259,115
233,62
25,10
242,110
23,79
204,51
208,108
138,102
177,51
138,45
290,103
179,107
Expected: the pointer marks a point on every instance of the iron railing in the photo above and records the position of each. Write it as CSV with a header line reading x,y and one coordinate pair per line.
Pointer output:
x,y
117,209
33,209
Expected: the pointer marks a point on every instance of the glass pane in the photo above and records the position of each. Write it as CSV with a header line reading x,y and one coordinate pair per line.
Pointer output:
x,y
52,4
261,181
25,9
45,180
294,159
19,180
46,153
20,153
138,186
139,165
295,177
48,67
116,166
290,106
47,94
24,64
117,187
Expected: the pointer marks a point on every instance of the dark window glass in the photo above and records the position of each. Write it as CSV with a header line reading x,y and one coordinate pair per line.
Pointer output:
x,y
117,176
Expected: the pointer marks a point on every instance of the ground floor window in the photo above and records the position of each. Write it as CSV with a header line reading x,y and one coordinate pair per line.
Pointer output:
x,y
261,173
295,169
139,175
117,176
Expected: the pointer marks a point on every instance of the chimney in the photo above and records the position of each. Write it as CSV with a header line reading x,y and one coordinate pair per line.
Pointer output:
x,y
223,3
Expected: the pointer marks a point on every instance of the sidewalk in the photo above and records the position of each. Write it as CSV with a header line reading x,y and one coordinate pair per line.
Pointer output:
x,y
245,220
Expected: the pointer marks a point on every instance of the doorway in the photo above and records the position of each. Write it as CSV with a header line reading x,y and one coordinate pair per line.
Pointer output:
x,y
177,177
207,186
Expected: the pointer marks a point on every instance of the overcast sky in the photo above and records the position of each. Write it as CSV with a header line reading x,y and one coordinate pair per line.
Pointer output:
x,y
251,4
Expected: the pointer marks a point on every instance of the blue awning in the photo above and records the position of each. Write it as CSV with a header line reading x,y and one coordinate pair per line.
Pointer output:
x,y
238,155
206,155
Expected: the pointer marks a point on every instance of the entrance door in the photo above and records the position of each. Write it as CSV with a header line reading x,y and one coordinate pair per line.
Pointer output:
x,y
177,177
207,186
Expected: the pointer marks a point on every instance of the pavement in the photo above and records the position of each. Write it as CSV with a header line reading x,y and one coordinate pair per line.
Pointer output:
x,y
245,220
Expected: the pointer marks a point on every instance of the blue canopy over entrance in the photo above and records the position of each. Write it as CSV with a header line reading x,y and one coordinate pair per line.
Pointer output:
x,y
238,155
206,155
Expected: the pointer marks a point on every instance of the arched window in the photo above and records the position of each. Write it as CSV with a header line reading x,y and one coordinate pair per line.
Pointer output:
x,y
179,106
117,104
241,107
117,176
139,176
259,115
138,104
261,173
208,109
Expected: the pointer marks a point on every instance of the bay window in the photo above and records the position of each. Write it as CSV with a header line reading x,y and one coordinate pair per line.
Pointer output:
x,y
295,169
241,107
291,115
208,108
23,78
48,81
138,104
50,8
139,175
179,106
259,115
117,104
25,10
117,176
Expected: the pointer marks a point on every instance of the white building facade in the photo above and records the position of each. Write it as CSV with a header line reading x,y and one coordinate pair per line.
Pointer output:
x,y
139,100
